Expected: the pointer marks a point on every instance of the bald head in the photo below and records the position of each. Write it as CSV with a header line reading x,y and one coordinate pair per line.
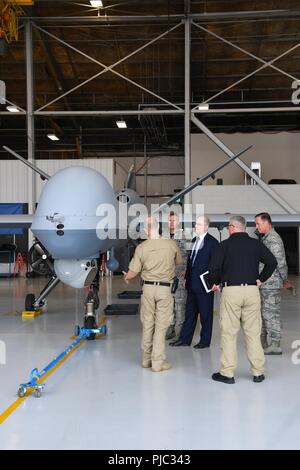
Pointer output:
x,y
202,224
151,227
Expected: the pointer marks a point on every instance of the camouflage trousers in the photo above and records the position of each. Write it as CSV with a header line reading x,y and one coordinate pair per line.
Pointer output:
x,y
270,310
179,312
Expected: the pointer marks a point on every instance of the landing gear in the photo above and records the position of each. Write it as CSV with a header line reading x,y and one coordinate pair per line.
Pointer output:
x,y
32,304
93,297
29,302
41,263
90,323
46,291
92,303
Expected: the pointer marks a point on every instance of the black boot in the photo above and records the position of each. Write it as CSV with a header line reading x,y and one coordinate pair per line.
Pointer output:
x,y
222,378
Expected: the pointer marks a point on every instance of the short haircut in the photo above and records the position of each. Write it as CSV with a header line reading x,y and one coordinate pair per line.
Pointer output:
x,y
173,214
151,223
205,218
239,220
264,216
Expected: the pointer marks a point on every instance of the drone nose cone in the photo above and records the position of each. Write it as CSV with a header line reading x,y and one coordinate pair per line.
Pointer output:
x,y
68,213
75,191
76,273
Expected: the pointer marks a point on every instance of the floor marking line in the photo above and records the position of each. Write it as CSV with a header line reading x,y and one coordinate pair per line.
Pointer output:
x,y
19,401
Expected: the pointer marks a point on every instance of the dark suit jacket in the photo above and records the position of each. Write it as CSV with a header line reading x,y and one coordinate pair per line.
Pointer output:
x,y
200,265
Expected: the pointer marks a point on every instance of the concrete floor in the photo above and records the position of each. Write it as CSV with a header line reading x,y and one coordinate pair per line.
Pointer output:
x,y
102,399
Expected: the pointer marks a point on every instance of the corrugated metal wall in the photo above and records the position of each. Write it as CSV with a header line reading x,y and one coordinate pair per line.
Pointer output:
x,y
14,175
13,182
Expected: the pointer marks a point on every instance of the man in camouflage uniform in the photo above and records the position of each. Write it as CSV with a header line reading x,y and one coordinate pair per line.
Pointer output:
x,y
270,290
180,296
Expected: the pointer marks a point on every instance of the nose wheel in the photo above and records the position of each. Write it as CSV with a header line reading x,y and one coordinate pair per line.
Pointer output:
x,y
29,302
94,298
90,324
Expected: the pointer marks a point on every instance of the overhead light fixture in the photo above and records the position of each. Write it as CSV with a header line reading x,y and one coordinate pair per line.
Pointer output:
x,y
12,109
96,3
121,124
52,137
203,107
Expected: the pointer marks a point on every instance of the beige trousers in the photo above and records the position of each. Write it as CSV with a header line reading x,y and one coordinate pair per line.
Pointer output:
x,y
240,306
157,305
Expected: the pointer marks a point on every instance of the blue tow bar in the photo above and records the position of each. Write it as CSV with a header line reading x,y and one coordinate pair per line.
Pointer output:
x,y
36,376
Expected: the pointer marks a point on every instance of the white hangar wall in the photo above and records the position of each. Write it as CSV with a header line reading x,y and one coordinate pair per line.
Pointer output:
x,y
164,175
279,155
279,158
14,175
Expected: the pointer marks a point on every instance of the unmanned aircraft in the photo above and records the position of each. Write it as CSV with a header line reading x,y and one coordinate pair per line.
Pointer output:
x,y
65,226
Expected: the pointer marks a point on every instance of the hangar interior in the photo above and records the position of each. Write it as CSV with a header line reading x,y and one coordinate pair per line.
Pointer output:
x,y
159,93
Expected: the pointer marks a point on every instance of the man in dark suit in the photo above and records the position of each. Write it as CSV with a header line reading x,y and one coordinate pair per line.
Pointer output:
x,y
198,300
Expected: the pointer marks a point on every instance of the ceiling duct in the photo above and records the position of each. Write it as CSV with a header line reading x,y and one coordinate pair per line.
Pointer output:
x,y
154,128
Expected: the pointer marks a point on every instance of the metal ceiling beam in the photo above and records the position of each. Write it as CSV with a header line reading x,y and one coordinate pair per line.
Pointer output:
x,y
235,15
187,98
7,113
244,51
55,72
265,64
108,112
110,67
251,74
278,109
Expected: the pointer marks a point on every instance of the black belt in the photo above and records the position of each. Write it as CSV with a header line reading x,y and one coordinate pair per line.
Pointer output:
x,y
158,283
230,284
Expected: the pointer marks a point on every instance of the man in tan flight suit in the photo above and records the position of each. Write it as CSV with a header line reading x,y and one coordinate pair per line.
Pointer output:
x,y
155,260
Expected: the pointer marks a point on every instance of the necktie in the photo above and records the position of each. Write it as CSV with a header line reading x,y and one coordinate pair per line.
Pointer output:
x,y
195,250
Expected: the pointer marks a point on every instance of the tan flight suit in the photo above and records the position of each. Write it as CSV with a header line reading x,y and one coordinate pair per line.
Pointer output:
x,y
155,260
240,307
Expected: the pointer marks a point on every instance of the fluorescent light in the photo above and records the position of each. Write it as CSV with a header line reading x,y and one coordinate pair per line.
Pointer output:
x,y
96,3
121,124
12,109
52,137
203,107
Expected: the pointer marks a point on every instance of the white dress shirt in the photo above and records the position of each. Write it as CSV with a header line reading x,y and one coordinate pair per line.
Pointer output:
x,y
196,246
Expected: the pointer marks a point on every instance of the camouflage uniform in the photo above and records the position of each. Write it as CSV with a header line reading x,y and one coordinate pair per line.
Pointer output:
x,y
271,291
174,329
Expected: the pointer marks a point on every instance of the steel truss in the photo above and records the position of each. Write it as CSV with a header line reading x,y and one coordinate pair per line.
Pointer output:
x,y
189,114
